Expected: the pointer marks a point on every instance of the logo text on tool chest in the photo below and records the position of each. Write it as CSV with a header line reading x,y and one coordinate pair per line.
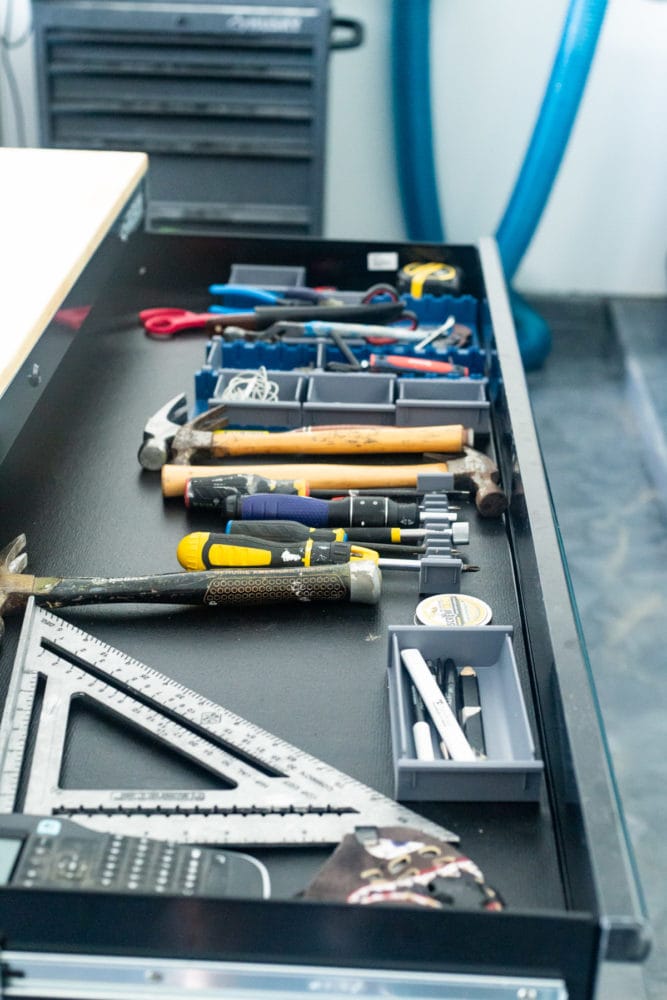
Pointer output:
x,y
258,24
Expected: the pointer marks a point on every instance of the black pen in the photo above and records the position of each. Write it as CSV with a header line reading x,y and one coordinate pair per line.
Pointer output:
x,y
450,685
471,710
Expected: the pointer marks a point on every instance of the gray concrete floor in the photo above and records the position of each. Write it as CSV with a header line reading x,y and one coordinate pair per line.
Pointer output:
x,y
599,409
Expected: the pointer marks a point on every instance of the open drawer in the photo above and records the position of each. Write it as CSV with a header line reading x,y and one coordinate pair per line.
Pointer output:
x,y
314,675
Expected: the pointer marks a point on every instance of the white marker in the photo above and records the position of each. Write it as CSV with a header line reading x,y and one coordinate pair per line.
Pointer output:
x,y
421,729
441,714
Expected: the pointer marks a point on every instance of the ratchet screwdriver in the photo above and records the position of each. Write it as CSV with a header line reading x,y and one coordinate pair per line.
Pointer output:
x,y
350,512
205,550
205,492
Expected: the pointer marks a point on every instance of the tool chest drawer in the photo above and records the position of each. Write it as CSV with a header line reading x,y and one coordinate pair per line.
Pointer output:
x,y
314,687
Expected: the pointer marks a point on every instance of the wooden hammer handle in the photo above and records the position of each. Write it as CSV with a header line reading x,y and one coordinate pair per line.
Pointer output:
x,y
342,441
325,477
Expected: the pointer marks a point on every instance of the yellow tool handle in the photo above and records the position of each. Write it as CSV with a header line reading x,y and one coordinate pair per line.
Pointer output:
x,y
206,550
342,440
318,476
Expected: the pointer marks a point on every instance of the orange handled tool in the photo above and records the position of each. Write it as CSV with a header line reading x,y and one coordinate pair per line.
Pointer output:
x,y
334,477
473,471
343,440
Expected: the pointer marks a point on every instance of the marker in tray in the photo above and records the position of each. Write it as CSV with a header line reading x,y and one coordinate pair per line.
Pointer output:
x,y
441,714
471,710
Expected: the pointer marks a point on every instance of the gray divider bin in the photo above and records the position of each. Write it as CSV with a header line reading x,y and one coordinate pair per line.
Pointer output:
x,y
284,413
425,401
362,398
510,772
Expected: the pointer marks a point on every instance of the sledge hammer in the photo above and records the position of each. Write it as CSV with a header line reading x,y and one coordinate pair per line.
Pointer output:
x,y
359,582
474,471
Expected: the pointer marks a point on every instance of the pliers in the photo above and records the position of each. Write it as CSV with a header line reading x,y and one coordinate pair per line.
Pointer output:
x,y
246,296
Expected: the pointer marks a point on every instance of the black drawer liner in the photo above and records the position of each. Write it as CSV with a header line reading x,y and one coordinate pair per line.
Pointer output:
x,y
314,675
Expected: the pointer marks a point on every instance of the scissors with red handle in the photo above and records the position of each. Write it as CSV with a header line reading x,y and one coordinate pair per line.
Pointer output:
x,y
165,322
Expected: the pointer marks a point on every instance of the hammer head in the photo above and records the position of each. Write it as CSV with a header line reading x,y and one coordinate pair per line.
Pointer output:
x,y
196,435
159,432
168,426
13,560
479,474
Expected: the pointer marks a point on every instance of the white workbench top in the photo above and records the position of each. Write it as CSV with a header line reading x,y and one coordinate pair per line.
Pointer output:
x,y
56,206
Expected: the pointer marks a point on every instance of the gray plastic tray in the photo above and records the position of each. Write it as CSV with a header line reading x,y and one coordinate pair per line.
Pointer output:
x,y
422,402
354,398
284,413
510,772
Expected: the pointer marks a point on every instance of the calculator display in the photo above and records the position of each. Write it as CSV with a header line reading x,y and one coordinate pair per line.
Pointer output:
x,y
9,850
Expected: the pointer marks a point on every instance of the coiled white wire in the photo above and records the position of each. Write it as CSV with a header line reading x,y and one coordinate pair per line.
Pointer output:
x,y
253,385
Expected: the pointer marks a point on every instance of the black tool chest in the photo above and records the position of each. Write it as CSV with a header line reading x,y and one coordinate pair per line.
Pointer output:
x,y
229,99
314,675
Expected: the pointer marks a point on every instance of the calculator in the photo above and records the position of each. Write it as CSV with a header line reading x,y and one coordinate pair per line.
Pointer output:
x,y
48,852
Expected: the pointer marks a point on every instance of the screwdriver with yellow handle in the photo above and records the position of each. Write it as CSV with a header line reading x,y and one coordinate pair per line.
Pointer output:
x,y
205,550
209,550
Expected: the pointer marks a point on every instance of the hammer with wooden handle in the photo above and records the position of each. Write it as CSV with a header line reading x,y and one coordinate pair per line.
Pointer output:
x,y
474,471
336,440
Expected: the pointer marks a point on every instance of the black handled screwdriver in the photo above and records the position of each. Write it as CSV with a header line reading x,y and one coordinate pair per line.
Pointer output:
x,y
291,532
294,531
352,512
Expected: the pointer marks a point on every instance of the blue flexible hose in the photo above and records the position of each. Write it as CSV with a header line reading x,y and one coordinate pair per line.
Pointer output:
x,y
411,85
414,144
581,31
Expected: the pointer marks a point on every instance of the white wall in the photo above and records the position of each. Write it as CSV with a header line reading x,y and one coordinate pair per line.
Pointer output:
x,y
605,227
22,63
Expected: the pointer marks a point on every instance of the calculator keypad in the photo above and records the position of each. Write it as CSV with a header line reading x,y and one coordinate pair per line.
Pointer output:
x,y
114,864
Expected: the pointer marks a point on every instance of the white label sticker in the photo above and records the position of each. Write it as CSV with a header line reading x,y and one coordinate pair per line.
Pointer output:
x,y
382,261
49,827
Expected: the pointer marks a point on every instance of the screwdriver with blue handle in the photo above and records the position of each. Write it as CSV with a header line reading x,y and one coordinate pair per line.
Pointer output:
x,y
206,491
350,512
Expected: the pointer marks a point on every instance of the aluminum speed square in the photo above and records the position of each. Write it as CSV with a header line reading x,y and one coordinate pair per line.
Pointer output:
x,y
272,794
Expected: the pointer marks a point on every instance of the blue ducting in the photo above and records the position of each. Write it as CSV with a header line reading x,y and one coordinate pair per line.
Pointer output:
x,y
411,85
547,146
414,144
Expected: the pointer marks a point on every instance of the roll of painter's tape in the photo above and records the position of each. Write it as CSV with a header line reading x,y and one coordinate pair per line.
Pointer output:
x,y
430,278
452,610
